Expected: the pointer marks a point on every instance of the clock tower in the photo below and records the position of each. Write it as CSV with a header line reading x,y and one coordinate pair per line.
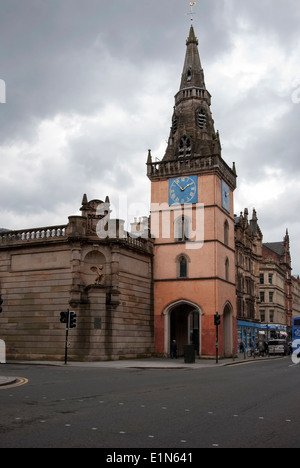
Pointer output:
x,y
192,223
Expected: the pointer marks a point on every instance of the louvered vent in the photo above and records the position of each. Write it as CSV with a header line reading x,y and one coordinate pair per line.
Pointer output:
x,y
201,118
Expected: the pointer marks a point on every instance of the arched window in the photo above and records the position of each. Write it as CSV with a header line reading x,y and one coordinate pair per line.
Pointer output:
x,y
182,262
226,233
227,269
182,229
185,147
183,267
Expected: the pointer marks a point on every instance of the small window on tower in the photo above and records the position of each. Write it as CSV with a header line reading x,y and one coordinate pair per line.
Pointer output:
x,y
226,233
182,262
201,118
185,147
174,125
188,150
227,269
189,76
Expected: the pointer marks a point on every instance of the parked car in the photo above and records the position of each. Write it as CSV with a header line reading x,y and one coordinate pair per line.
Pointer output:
x,y
278,347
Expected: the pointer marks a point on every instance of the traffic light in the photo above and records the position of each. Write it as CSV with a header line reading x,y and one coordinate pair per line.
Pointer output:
x,y
1,302
217,319
72,320
64,317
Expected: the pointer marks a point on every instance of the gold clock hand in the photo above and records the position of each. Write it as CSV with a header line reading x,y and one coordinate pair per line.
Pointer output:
x,y
179,186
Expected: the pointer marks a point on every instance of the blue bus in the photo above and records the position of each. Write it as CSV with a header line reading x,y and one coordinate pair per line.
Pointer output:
x,y
296,335
296,328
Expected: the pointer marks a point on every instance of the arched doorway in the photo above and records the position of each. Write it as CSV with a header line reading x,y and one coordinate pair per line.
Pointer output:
x,y
228,329
183,324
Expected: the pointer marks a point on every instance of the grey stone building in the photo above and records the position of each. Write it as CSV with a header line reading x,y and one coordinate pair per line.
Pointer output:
x,y
91,266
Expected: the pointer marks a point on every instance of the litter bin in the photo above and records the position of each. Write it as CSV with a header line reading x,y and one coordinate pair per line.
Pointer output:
x,y
189,354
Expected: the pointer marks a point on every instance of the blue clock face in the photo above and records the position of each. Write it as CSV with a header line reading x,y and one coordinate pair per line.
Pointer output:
x,y
225,196
183,190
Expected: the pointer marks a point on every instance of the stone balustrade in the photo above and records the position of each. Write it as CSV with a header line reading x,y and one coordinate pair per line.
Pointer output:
x,y
36,234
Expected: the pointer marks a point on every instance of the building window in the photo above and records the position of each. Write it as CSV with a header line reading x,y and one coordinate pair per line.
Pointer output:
x,y
174,125
226,233
271,316
262,297
271,297
182,262
240,307
183,268
262,316
262,278
185,147
201,119
270,278
182,229
227,269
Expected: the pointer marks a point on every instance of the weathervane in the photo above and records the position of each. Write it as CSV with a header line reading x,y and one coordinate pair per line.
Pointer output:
x,y
191,14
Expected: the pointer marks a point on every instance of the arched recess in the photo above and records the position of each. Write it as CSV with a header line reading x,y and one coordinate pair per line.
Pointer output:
x,y
228,329
182,322
93,265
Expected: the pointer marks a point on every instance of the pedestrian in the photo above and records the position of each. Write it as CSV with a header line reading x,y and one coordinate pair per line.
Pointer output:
x,y
266,345
174,349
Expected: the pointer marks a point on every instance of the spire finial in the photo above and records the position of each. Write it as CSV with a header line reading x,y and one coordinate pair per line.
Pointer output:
x,y
191,14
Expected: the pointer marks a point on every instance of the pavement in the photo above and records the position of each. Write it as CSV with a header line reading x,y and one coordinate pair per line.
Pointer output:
x,y
149,363
5,381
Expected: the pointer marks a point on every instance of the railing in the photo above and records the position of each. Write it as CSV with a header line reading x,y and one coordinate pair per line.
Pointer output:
x,y
193,92
37,234
139,242
189,165
55,233
182,164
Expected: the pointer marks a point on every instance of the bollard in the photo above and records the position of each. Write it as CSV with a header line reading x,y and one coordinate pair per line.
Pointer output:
x,y
2,352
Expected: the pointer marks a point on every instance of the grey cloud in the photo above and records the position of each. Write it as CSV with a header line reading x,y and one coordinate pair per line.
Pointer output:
x,y
74,57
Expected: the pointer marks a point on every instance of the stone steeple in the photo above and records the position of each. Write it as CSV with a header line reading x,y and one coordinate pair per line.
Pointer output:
x,y
192,75
192,132
193,142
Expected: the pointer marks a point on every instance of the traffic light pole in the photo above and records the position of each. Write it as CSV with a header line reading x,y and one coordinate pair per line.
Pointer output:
x,y
67,336
217,344
217,321
69,318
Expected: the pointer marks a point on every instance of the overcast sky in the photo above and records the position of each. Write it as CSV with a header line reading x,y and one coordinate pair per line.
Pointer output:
x,y
90,87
